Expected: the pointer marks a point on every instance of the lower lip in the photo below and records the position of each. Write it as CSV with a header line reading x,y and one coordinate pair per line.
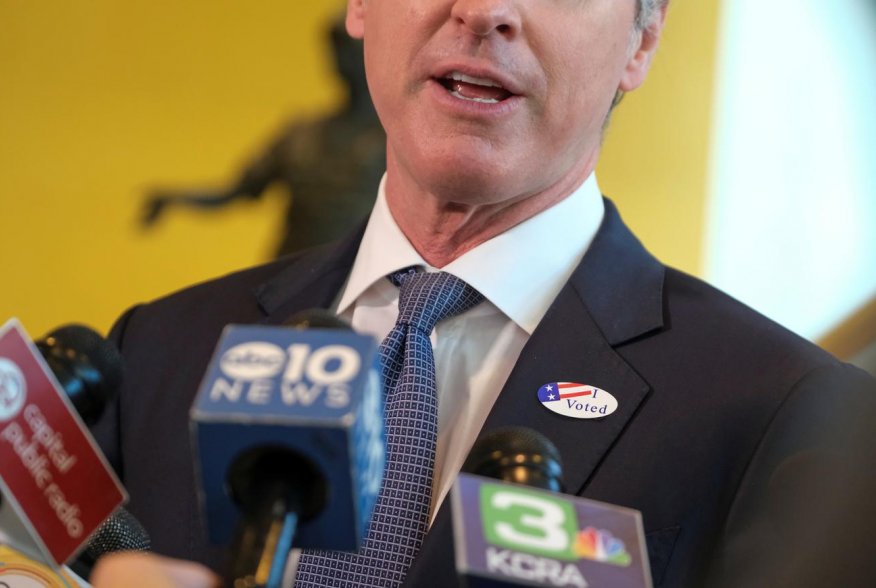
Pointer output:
x,y
471,108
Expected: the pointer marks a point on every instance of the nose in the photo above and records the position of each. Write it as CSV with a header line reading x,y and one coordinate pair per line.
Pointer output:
x,y
484,17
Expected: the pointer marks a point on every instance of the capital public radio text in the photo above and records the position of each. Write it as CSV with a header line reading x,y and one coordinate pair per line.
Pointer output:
x,y
42,453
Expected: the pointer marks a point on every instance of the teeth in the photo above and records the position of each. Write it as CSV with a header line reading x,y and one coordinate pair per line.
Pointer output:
x,y
461,77
456,94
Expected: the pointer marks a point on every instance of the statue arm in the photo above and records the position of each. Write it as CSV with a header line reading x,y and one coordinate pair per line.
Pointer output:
x,y
251,184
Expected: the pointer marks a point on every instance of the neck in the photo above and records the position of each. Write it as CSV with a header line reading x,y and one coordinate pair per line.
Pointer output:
x,y
442,228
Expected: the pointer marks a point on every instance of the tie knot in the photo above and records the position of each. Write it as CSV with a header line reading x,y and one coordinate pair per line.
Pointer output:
x,y
424,299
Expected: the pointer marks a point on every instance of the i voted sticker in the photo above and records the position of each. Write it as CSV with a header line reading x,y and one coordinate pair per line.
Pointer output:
x,y
578,401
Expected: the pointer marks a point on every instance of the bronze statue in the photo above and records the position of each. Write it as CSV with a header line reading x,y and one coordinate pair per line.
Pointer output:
x,y
331,166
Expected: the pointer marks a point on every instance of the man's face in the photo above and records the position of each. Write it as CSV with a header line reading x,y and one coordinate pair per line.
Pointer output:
x,y
493,100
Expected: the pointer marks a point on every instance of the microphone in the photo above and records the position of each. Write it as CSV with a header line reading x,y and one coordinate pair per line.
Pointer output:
x,y
90,369
518,455
121,531
288,433
512,527
56,483
317,318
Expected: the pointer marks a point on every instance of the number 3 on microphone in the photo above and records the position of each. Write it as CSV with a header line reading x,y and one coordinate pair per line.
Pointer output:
x,y
526,521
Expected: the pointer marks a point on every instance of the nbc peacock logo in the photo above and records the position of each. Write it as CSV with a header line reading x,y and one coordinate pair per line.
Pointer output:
x,y
600,545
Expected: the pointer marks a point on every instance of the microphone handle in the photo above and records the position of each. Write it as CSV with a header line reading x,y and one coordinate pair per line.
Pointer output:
x,y
262,543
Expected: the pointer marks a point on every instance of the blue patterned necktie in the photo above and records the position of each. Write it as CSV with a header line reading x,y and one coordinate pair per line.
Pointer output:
x,y
401,516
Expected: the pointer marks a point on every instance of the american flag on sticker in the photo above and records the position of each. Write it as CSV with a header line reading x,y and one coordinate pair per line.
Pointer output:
x,y
556,391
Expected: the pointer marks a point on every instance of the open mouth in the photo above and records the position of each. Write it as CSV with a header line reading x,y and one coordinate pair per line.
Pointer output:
x,y
474,89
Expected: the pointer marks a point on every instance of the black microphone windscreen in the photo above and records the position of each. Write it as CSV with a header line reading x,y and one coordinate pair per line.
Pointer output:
x,y
516,454
102,353
120,532
88,367
316,318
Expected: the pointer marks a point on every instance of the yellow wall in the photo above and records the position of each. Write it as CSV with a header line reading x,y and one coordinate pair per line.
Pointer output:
x,y
100,100
655,161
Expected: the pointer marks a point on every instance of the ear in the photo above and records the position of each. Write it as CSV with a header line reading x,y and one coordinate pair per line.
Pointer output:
x,y
356,18
643,49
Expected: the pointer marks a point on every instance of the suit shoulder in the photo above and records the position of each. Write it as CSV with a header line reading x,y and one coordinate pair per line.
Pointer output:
x,y
241,287
235,283
734,329
210,305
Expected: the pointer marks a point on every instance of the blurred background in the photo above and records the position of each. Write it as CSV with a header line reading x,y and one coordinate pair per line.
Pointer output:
x,y
748,159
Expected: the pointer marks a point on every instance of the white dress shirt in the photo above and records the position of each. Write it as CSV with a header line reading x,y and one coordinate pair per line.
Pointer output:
x,y
519,272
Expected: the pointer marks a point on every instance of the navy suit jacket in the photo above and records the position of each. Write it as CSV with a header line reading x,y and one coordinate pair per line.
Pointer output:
x,y
702,383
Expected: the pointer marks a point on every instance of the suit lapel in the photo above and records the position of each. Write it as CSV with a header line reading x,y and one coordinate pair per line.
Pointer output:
x,y
614,296
312,280
568,347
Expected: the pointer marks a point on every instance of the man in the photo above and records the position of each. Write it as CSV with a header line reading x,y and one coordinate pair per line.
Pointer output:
x,y
494,112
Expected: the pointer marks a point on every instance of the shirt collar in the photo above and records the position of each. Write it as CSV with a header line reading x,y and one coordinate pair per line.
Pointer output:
x,y
519,271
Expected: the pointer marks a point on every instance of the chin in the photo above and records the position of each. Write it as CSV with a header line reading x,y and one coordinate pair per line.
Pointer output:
x,y
468,185
471,177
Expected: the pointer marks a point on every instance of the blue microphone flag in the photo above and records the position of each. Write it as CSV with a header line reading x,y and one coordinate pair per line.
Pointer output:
x,y
512,535
317,393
